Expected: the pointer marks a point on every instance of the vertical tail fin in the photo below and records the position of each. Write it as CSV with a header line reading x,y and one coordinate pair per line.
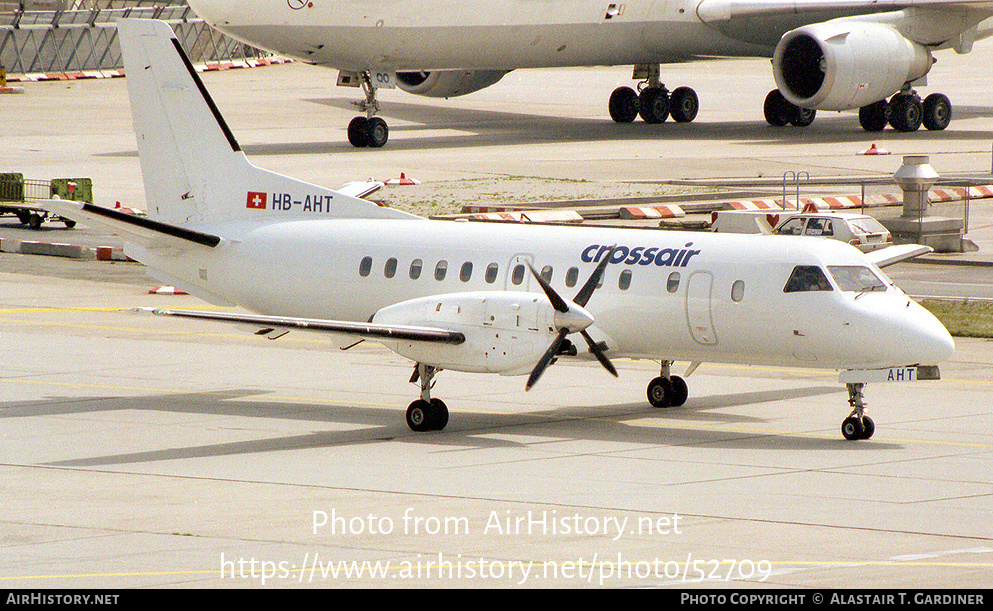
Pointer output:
x,y
193,168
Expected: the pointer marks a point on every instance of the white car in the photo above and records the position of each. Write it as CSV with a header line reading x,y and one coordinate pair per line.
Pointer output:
x,y
859,230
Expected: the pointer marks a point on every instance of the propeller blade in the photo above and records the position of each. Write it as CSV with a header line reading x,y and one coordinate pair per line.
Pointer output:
x,y
557,302
599,354
546,358
584,294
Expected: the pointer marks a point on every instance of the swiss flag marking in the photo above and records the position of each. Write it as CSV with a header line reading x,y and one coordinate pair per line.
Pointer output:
x,y
256,200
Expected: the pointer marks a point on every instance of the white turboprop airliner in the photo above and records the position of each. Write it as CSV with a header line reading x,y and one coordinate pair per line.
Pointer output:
x,y
827,54
485,297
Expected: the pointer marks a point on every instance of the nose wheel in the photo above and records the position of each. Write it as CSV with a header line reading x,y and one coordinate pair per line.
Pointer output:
x,y
368,130
857,425
667,390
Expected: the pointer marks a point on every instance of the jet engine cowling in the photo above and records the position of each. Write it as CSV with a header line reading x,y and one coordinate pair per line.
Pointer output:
x,y
844,64
447,83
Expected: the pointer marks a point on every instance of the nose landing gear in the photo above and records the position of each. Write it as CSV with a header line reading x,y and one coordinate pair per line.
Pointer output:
x,y
857,425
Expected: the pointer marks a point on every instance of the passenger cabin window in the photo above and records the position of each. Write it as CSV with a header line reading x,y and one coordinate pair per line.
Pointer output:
x,y
391,268
572,277
546,274
856,278
415,269
807,278
624,281
491,273
466,272
440,270
365,266
518,276
672,284
737,291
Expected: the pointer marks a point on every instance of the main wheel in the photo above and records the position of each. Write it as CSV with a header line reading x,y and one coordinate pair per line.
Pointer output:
x,y
660,392
358,132
906,112
683,104
873,117
776,109
623,105
378,132
653,105
852,429
801,117
937,112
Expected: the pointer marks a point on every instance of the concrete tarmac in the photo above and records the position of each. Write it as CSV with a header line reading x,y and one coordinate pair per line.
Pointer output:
x,y
147,452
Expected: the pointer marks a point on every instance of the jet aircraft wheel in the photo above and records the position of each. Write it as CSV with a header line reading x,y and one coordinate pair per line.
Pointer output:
x,y
679,391
776,109
906,112
378,132
852,429
683,104
623,105
868,427
874,117
439,415
937,112
358,132
653,105
801,117
660,392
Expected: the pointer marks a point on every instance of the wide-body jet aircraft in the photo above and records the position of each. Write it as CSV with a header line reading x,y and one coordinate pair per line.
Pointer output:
x,y
826,54
484,297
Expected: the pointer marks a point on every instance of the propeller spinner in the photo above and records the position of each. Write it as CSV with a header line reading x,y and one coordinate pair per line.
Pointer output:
x,y
572,317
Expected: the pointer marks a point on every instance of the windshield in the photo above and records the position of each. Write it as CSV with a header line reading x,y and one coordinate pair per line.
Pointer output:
x,y
856,278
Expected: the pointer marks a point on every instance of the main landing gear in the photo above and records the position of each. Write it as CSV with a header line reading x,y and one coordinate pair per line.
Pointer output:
x,y
857,425
904,112
653,102
667,390
370,130
426,414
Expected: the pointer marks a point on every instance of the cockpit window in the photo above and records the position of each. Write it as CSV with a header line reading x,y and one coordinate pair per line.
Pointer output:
x,y
856,278
807,278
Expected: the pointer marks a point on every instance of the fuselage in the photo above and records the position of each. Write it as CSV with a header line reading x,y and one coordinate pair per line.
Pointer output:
x,y
694,296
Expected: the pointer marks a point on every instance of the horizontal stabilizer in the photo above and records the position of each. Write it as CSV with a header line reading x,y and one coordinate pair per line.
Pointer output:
x,y
138,229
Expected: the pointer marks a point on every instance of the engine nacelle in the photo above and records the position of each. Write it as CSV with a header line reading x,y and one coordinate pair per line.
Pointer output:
x,y
505,332
447,83
843,64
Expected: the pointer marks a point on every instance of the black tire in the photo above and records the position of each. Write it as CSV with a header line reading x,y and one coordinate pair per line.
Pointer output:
x,y
683,105
623,105
937,112
69,223
852,429
868,427
419,416
438,415
680,392
906,112
776,109
874,117
653,105
35,221
378,132
801,117
24,216
358,132
660,392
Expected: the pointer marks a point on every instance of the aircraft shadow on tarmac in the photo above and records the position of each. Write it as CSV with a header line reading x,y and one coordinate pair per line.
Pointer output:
x,y
487,127
627,423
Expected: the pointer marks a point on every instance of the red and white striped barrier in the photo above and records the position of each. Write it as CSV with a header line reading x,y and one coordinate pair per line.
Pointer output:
x,y
667,211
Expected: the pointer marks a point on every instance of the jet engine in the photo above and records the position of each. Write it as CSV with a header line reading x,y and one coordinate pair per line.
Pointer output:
x,y
844,64
447,83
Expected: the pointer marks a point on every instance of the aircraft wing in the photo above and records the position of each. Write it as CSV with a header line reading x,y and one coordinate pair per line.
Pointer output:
x,y
885,257
267,324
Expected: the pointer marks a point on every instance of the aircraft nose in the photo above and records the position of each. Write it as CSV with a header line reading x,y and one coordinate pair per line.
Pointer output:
x,y
928,342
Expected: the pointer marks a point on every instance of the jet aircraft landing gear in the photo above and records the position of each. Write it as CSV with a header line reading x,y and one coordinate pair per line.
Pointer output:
x,y
426,414
779,111
653,102
906,112
667,390
857,425
369,130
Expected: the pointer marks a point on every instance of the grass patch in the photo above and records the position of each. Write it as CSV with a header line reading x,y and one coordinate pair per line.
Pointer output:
x,y
963,318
